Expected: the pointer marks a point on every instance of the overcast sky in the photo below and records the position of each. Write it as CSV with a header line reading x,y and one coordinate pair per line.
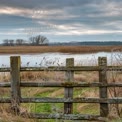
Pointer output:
x,y
62,20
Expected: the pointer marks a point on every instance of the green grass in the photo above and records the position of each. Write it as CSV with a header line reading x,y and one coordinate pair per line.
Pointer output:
x,y
47,107
116,120
78,108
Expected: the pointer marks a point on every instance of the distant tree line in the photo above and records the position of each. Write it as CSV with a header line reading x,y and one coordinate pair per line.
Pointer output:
x,y
88,43
38,40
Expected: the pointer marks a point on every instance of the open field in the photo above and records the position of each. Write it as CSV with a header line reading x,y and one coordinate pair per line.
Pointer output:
x,y
61,49
45,76
57,92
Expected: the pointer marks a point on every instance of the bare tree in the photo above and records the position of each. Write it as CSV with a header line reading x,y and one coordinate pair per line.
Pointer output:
x,y
6,42
39,40
19,41
11,42
32,42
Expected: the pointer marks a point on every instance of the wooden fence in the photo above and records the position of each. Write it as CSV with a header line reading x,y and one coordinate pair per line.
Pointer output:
x,y
68,99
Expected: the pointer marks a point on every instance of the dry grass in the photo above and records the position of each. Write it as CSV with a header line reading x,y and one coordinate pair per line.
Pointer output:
x,y
45,76
58,92
83,108
48,49
4,76
86,76
53,92
5,114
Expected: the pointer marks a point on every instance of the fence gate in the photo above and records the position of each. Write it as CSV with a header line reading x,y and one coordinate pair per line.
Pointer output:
x,y
68,85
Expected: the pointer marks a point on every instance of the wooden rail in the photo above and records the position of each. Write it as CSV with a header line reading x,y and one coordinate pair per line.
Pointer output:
x,y
62,68
68,85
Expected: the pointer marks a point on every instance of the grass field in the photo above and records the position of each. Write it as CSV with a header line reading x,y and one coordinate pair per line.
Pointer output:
x,y
5,114
62,49
56,92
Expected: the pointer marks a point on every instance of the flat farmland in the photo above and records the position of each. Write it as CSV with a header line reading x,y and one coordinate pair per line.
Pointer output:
x,y
52,49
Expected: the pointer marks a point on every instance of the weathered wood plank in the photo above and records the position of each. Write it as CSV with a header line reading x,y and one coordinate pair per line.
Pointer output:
x,y
65,100
104,110
5,84
71,100
62,68
84,68
64,84
68,107
5,100
67,84
4,69
66,116
15,83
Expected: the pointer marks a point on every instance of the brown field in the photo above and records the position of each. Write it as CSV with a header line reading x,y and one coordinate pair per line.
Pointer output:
x,y
61,49
5,111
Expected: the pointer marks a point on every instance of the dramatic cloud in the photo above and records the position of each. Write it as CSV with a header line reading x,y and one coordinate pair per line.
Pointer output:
x,y
63,20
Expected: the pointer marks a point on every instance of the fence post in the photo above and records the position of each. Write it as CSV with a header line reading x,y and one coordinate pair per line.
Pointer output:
x,y
104,110
68,107
15,83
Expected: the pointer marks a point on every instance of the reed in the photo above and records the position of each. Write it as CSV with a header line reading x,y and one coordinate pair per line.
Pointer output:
x,y
44,92
52,49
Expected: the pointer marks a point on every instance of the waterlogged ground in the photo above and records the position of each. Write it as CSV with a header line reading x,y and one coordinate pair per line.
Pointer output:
x,y
59,59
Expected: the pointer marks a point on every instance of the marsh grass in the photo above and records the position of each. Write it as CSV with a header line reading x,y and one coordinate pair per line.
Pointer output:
x,y
4,76
57,92
42,76
5,114
52,49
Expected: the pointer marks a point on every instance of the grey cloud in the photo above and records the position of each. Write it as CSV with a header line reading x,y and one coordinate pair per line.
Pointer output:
x,y
87,14
42,3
